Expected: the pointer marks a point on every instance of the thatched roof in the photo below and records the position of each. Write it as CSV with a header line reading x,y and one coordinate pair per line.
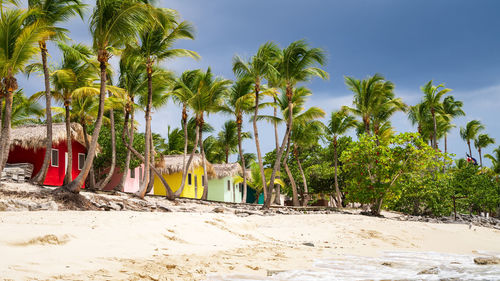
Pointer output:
x,y
34,136
227,170
171,164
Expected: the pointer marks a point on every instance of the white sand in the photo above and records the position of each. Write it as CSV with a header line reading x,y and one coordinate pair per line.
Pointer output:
x,y
188,246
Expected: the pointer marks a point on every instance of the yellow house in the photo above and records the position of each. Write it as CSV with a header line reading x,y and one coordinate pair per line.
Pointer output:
x,y
171,168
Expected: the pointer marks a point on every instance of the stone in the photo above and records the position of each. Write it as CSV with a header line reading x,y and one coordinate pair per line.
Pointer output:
x,y
163,207
432,270
486,260
309,244
218,210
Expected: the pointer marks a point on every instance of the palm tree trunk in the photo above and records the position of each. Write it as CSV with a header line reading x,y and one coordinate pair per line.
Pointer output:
x,y
69,166
170,194
191,156
147,142
256,134
366,121
91,181
470,151
153,153
335,161
435,128
480,157
295,196
5,137
121,185
279,153
76,184
445,143
40,177
113,150
185,129
1,108
242,159
205,175
277,187
306,190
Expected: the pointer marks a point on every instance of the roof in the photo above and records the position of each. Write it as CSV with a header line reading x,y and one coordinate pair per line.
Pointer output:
x,y
227,170
34,136
171,164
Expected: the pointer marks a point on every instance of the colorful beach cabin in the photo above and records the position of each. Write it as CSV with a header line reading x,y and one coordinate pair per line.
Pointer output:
x,y
222,187
132,180
171,168
27,145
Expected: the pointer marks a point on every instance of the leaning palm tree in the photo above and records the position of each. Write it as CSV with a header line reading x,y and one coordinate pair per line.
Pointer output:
x,y
432,100
112,24
495,160
156,41
238,103
51,13
17,47
470,131
297,63
257,68
482,141
340,122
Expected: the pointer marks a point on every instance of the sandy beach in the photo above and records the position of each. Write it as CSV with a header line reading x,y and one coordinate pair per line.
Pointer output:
x,y
76,245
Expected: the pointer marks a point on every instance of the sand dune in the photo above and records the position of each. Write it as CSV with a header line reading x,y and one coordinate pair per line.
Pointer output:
x,y
190,246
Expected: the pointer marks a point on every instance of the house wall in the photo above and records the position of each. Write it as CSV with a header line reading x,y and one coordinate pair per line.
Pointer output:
x,y
174,181
217,190
131,184
55,175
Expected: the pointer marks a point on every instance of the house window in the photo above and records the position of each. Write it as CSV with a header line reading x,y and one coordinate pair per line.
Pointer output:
x,y
241,187
195,186
189,179
132,173
202,180
54,161
81,161
228,185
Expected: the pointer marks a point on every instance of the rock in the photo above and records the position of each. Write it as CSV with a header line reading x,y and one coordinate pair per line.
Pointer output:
x,y
486,260
48,206
389,264
273,272
163,207
248,212
432,270
309,244
218,210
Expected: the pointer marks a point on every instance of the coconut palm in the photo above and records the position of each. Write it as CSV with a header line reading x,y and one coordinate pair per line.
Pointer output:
x,y
156,41
25,110
482,141
17,47
229,139
495,160
51,13
11,2
452,110
113,23
257,68
470,131
239,102
297,63
255,180
340,122
432,100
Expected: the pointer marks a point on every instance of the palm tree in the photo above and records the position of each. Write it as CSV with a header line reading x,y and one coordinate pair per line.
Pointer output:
x,y
482,141
156,41
239,102
495,160
17,47
257,68
25,110
296,64
470,132
340,122
229,139
452,110
50,13
255,180
113,23
432,100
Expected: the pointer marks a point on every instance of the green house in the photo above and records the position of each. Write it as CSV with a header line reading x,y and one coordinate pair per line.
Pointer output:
x,y
222,187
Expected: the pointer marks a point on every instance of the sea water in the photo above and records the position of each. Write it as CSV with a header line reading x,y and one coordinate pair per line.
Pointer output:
x,y
389,266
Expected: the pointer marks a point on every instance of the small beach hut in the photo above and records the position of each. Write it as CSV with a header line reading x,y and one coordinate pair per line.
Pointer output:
x,y
222,186
171,167
132,182
27,145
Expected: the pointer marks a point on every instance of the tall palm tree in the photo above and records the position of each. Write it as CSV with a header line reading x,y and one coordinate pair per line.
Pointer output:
x,y
340,122
297,63
25,110
51,13
482,141
238,103
495,160
452,109
17,47
432,100
229,139
156,41
257,68
113,23
470,132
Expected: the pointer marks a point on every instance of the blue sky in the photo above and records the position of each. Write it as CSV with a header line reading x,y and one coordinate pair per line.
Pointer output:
x,y
409,42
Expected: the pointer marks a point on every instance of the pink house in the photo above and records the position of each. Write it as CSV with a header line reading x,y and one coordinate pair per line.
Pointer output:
x,y
132,182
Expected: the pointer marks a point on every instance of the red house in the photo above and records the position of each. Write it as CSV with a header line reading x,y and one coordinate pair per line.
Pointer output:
x,y
27,145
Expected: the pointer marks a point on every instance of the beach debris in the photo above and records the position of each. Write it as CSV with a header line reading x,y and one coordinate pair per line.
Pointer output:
x,y
163,207
274,272
486,260
389,264
218,210
309,244
432,270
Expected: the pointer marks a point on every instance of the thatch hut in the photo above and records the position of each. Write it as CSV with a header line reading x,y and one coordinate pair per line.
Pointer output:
x,y
171,167
222,186
27,145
